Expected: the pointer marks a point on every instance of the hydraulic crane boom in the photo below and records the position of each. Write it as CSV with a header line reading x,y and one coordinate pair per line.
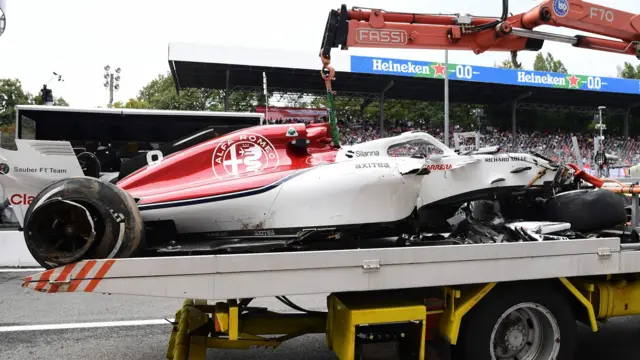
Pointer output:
x,y
375,28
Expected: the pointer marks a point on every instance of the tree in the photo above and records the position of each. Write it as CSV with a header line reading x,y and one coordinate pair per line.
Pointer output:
x,y
11,94
508,64
548,63
627,71
511,63
160,93
132,104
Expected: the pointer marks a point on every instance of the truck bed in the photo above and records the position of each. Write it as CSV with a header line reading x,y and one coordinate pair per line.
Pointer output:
x,y
218,277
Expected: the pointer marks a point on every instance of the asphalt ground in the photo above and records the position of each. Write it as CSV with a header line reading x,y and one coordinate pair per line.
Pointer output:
x,y
95,326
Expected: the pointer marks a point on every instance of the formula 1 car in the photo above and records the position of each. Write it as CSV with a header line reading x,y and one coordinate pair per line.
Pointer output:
x,y
277,187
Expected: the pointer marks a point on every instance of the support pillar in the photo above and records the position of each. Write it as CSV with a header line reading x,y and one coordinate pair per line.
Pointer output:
x,y
625,124
226,90
627,115
389,86
382,114
514,105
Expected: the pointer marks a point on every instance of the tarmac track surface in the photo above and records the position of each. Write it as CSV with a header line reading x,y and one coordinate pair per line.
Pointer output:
x,y
94,326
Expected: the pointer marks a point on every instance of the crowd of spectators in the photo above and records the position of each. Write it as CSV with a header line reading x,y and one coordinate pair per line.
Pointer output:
x,y
557,146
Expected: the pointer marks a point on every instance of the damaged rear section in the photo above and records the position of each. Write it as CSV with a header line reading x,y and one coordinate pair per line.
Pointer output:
x,y
80,218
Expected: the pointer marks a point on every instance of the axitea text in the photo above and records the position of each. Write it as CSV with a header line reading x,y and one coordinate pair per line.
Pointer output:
x,y
372,165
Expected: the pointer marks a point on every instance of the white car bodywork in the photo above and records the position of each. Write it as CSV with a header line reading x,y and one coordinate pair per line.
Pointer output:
x,y
32,167
364,185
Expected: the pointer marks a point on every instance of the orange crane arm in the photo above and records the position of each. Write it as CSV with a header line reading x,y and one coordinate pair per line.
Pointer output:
x,y
376,28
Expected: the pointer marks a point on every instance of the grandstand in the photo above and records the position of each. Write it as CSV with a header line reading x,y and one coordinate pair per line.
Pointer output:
x,y
229,68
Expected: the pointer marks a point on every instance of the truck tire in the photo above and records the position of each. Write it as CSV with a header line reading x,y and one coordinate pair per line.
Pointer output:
x,y
82,218
542,324
587,210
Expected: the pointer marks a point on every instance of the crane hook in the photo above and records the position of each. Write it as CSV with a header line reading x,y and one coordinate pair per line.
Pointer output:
x,y
327,72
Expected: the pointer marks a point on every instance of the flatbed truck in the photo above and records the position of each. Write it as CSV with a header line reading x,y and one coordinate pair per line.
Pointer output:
x,y
481,301
432,302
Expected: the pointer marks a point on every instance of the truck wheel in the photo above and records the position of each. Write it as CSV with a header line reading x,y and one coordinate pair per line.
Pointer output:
x,y
522,322
82,218
587,210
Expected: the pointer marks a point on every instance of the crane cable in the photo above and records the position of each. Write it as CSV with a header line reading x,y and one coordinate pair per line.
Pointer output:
x,y
329,74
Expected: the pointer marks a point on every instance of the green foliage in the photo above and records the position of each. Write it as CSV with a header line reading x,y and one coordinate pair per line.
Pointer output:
x,y
160,93
511,63
11,94
548,63
628,71
132,104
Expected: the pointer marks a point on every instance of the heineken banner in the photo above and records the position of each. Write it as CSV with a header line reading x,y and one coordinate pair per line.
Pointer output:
x,y
429,69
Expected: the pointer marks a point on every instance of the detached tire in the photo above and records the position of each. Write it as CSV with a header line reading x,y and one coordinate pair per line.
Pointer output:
x,y
587,210
523,321
82,218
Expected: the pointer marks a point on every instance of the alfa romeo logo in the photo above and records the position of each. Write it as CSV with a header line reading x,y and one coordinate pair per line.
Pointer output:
x,y
4,169
245,153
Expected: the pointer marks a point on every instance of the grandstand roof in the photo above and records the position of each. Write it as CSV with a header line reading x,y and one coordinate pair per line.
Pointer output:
x,y
205,66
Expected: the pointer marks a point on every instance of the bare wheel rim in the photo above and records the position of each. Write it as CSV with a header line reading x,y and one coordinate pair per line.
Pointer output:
x,y
526,331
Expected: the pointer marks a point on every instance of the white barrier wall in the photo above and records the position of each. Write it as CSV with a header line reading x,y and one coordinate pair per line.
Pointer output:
x,y
13,251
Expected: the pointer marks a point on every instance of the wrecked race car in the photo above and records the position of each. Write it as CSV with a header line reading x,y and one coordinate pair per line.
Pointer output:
x,y
276,188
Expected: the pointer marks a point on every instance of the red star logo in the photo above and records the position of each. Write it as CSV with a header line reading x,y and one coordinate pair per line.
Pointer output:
x,y
439,69
574,81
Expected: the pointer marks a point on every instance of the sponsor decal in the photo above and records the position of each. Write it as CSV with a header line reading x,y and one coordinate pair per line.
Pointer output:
x,y
561,7
556,80
21,199
435,70
218,234
381,36
601,14
396,66
436,167
47,170
533,78
505,159
360,153
4,169
264,233
244,153
372,165
292,132
319,229
312,161
119,217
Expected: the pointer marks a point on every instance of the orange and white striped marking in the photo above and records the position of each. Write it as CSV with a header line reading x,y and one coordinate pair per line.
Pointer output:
x,y
83,276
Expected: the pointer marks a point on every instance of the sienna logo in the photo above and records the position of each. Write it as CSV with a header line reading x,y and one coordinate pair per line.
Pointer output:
x,y
244,153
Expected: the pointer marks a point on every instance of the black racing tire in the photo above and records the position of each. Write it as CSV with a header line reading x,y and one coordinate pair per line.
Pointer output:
x,y
477,328
587,210
119,231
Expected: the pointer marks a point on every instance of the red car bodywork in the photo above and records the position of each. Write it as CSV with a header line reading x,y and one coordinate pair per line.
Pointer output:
x,y
241,160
